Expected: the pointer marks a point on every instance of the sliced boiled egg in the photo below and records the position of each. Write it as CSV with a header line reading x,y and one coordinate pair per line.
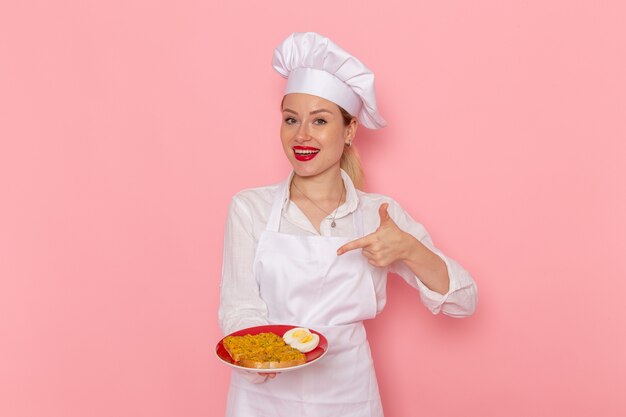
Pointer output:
x,y
301,339
297,332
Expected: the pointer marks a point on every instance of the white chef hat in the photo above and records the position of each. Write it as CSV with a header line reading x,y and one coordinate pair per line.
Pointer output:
x,y
313,64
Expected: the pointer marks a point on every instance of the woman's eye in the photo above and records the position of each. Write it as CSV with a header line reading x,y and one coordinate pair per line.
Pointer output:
x,y
320,122
290,120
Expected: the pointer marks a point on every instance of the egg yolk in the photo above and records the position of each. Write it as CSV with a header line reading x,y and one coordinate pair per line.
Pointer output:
x,y
305,338
300,333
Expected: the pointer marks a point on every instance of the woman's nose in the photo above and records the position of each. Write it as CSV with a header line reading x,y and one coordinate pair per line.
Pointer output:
x,y
302,134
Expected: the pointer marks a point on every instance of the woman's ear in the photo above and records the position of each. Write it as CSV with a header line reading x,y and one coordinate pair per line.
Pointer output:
x,y
351,129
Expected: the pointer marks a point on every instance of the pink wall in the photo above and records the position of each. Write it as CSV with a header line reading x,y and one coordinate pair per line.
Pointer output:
x,y
125,127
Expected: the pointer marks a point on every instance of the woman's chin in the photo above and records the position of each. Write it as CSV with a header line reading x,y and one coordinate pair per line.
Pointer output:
x,y
310,169
304,169
302,173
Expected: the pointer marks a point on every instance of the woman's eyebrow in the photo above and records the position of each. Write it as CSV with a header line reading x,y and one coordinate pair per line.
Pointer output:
x,y
313,112
320,111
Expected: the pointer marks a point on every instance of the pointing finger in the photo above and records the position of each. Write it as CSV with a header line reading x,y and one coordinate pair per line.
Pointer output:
x,y
355,244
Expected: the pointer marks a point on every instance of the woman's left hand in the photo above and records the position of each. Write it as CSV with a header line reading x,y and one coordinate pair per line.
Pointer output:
x,y
384,246
389,244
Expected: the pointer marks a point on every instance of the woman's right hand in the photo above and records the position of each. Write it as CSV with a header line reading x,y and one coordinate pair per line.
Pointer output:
x,y
257,377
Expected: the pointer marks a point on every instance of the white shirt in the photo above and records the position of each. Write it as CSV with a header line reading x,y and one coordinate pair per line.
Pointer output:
x,y
240,303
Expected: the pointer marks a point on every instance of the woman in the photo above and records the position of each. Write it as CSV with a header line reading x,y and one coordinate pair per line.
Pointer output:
x,y
314,251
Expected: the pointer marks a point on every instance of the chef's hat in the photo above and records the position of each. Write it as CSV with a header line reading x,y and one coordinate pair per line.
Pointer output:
x,y
313,64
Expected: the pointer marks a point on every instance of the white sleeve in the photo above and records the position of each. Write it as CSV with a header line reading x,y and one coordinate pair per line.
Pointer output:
x,y
240,303
460,301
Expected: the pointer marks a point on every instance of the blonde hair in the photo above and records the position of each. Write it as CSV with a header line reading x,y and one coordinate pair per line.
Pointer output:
x,y
350,161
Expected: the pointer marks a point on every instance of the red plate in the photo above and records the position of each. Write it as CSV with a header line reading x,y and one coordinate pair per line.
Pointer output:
x,y
279,329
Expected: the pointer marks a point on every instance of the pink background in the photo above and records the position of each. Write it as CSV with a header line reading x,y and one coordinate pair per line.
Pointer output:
x,y
125,127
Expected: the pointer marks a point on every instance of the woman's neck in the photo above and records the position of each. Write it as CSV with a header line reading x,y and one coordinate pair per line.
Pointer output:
x,y
326,186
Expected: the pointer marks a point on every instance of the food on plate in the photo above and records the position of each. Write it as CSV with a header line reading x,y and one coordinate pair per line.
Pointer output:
x,y
262,351
302,339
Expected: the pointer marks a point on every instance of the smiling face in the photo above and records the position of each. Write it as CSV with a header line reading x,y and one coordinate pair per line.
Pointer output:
x,y
313,134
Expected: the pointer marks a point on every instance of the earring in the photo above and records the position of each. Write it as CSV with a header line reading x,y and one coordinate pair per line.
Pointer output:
x,y
348,144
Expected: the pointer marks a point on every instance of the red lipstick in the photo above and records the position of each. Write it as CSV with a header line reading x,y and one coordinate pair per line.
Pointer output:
x,y
305,153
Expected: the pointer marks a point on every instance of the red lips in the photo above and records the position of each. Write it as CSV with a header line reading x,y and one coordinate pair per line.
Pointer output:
x,y
305,153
